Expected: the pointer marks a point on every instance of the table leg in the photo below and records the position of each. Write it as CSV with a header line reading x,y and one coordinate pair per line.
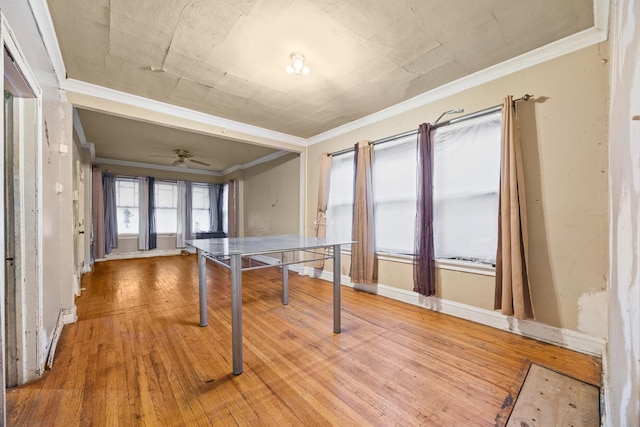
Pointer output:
x,y
202,285
285,284
236,313
336,289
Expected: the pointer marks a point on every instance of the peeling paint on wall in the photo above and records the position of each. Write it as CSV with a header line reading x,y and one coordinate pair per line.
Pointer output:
x,y
592,313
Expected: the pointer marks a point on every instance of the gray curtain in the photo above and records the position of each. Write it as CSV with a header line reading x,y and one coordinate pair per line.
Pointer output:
x,y
424,280
97,212
153,234
143,213
215,207
513,293
110,213
364,261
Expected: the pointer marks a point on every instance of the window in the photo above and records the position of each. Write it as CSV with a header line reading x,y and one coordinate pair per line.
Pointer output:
x,y
127,205
200,208
394,193
166,207
225,207
340,204
466,182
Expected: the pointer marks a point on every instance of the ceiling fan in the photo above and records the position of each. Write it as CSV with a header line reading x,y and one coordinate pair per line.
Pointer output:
x,y
184,157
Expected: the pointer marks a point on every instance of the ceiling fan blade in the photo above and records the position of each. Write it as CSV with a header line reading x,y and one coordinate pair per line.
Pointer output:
x,y
199,162
156,155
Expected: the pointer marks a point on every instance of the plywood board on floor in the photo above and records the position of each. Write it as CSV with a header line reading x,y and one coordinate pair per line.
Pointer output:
x,y
548,398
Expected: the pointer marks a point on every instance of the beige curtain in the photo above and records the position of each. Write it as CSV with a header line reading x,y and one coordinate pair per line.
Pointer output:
x,y
513,294
323,199
364,263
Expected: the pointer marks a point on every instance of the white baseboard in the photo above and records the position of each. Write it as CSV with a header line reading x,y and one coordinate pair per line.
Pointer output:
x,y
561,337
64,317
146,254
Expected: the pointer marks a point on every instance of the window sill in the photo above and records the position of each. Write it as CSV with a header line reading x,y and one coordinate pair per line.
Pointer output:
x,y
444,264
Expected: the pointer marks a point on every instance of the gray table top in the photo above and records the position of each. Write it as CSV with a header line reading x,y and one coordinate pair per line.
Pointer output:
x,y
261,244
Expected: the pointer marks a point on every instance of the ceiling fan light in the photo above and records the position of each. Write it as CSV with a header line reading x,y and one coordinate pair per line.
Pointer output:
x,y
290,69
305,70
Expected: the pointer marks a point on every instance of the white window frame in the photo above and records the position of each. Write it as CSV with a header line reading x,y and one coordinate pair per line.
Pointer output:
x,y
174,184
136,198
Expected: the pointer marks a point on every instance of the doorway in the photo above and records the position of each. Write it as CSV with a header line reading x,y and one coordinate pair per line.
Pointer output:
x,y
22,220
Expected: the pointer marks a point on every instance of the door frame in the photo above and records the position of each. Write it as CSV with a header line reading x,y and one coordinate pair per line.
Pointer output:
x,y
31,343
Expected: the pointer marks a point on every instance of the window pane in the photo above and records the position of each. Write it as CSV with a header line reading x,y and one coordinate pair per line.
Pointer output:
x,y
166,195
166,207
200,218
128,220
166,220
127,205
394,189
225,208
340,204
466,181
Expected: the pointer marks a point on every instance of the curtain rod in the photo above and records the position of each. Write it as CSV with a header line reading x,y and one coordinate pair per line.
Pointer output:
x,y
469,116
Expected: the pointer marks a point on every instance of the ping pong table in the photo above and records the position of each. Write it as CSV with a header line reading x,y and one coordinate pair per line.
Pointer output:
x,y
229,253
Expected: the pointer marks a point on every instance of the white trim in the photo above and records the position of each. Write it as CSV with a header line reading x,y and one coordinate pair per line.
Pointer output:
x,y
560,337
77,125
104,93
105,161
605,396
545,53
64,317
267,158
44,22
443,264
466,266
70,315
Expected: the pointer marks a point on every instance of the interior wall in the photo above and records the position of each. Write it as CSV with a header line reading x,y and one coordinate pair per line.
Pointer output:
x,y
622,380
272,197
564,144
57,225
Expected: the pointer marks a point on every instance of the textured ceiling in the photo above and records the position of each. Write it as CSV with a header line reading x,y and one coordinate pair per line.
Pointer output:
x,y
227,58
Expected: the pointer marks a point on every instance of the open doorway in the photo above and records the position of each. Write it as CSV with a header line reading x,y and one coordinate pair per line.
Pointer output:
x,y
21,224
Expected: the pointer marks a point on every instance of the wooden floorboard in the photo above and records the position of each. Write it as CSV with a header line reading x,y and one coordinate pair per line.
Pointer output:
x,y
136,356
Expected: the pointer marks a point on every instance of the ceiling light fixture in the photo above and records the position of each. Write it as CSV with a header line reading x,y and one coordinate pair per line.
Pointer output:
x,y
297,66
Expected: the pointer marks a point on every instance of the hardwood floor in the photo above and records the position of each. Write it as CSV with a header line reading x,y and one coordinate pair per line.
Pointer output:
x,y
137,356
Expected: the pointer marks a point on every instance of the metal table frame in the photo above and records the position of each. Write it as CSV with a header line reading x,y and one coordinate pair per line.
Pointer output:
x,y
236,269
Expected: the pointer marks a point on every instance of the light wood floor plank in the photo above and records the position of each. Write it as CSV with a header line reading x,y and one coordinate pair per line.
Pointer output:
x,y
137,356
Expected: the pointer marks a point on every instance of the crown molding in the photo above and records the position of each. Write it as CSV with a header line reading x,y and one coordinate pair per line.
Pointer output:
x,y
77,125
106,161
267,158
596,34
101,92
256,162
42,16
